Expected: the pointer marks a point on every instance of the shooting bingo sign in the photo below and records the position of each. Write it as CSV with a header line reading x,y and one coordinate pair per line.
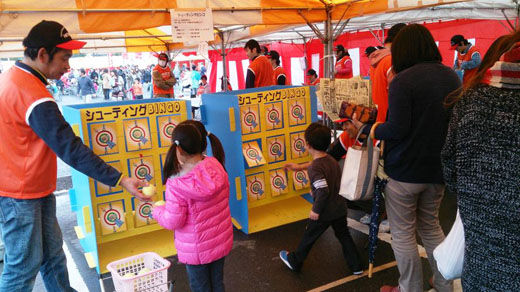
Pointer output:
x,y
278,180
253,154
255,187
137,134
249,119
165,126
273,115
275,148
102,189
112,217
300,179
297,113
103,138
142,213
298,145
142,168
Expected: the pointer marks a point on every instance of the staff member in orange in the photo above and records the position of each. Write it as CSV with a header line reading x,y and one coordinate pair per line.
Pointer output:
x,y
468,60
343,68
260,70
313,77
163,79
279,77
35,133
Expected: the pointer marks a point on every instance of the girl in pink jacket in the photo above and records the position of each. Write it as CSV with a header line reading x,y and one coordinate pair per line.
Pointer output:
x,y
197,205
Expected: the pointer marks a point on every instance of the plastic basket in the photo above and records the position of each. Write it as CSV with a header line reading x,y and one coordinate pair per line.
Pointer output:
x,y
153,280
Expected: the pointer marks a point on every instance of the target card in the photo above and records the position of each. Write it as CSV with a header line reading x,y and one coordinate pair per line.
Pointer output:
x,y
137,134
298,145
102,189
165,126
249,119
142,213
278,180
300,179
112,217
297,112
273,115
253,154
142,168
275,148
255,187
103,138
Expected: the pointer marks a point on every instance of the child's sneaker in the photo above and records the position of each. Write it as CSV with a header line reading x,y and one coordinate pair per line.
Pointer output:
x,y
384,227
357,273
285,260
365,219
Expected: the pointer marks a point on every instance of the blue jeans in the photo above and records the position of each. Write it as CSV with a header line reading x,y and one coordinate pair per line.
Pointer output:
x,y
208,277
33,242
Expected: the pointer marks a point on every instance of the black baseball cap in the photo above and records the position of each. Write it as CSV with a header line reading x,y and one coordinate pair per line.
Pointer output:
x,y
274,55
339,48
370,50
456,40
48,34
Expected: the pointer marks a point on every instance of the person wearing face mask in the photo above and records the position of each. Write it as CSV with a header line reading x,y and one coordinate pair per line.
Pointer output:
x,y
163,79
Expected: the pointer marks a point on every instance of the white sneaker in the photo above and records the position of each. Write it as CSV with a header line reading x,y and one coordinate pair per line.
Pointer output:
x,y
384,226
365,219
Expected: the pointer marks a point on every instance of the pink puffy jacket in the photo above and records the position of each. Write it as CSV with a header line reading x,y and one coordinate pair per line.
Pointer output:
x,y
197,208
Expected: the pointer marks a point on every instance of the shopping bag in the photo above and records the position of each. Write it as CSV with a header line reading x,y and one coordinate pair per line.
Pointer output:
x,y
450,253
359,170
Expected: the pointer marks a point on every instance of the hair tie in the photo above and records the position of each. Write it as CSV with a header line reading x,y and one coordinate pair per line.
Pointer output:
x,y
176,142
209,133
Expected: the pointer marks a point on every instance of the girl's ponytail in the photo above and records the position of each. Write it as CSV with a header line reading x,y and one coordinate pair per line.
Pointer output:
x,y
171,164
217,149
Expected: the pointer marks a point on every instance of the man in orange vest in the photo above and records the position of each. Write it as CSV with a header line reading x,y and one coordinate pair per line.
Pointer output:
x,y
34,132
468,59
260,70
343,68
279,77
163,79
312,76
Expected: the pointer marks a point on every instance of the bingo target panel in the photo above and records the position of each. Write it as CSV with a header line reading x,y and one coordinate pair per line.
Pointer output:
x,y
250,119
300,179
278,180
137,134
142,168
165,126
298,145
112,217
275,148
103,138
142,213
255,186
274,116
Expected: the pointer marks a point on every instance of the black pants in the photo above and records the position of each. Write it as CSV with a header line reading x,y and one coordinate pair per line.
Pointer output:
x,y
314,230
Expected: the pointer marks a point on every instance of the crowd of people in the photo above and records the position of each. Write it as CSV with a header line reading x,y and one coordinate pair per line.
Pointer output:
x,y
438,130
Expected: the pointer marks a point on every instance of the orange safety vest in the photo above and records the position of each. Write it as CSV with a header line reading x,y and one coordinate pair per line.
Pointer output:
x,y
263,71
468,74
166,74
276,73
344,63
380,87
29,167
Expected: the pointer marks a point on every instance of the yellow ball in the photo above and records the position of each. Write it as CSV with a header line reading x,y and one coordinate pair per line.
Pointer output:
x,y
159,203
143,271
149,190
128,275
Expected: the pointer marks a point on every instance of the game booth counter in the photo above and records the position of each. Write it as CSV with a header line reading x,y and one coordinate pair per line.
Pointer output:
x,y
261,130
134,137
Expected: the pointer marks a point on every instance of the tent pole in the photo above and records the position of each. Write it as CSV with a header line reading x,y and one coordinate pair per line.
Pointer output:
x,y
327,54
224,67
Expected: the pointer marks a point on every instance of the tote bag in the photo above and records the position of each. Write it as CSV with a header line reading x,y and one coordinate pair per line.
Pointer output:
x,y
450,253
359,170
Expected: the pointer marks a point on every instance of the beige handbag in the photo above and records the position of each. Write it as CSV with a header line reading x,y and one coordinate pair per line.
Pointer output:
x,y
359,170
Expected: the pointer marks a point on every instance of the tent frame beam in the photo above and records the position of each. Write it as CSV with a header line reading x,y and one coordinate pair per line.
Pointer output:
x,y
154,10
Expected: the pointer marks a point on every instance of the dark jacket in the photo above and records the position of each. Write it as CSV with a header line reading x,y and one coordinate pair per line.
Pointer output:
x,y
85,86
481,160
417,122
325,178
